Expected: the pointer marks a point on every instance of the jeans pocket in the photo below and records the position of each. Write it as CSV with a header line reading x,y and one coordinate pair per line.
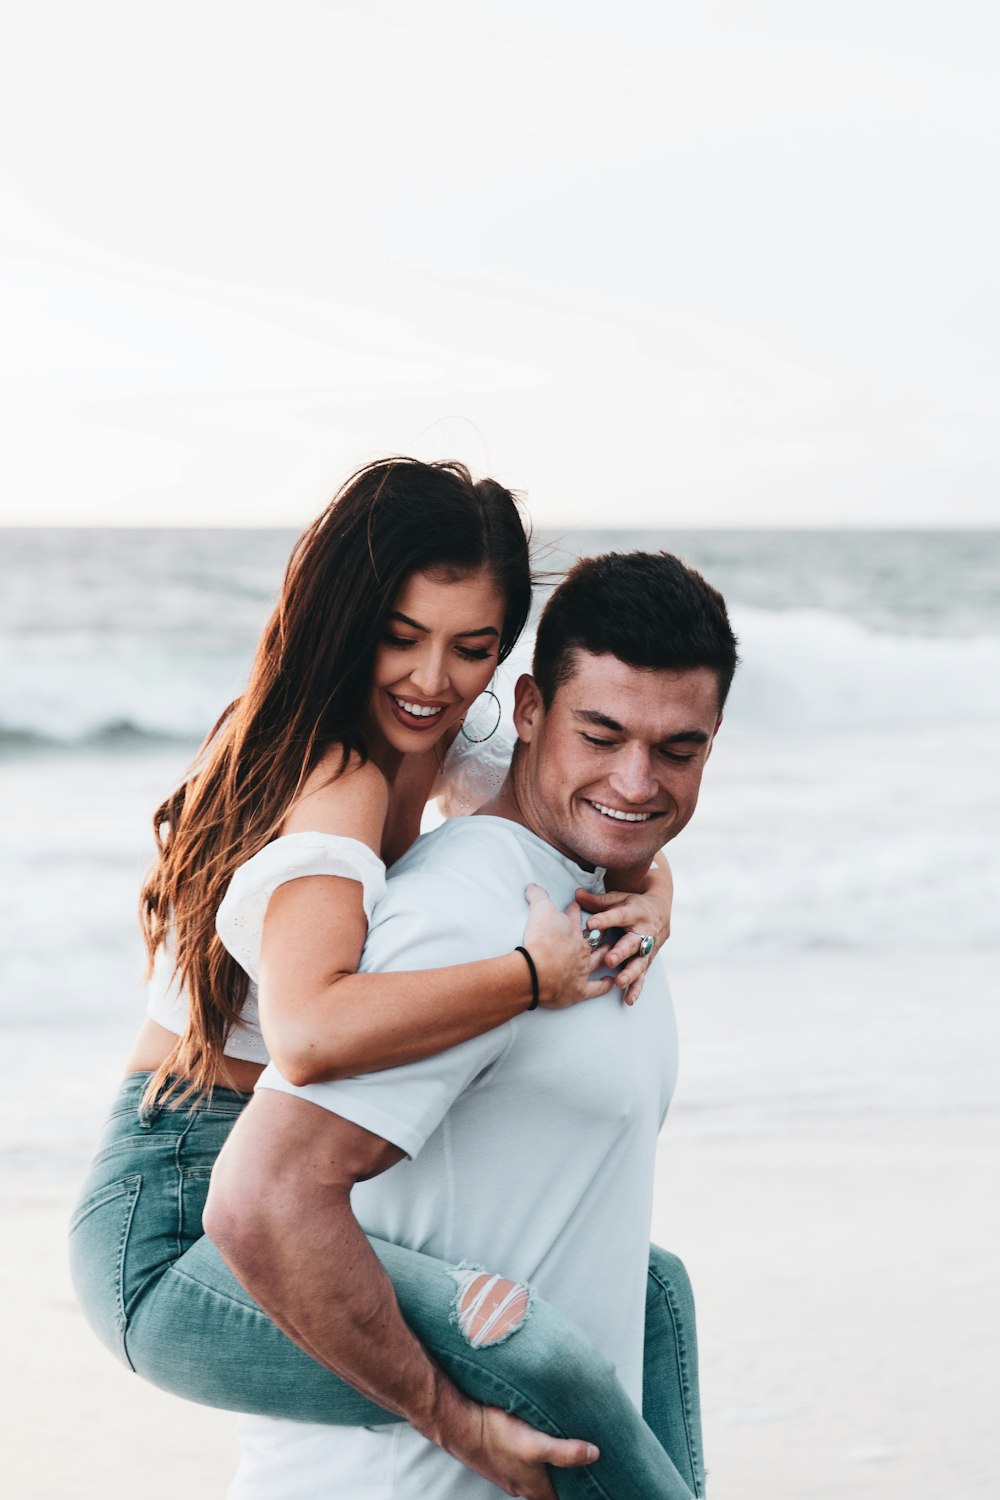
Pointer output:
x,y
194,1191
98,1237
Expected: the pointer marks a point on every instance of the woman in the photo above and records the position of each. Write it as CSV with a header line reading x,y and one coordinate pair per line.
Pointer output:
x,y
398,603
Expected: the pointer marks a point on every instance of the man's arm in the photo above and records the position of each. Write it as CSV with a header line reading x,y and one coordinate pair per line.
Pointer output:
x,y
279,1211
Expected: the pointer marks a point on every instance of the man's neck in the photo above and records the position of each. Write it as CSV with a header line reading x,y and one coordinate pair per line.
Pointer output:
x,y
509,803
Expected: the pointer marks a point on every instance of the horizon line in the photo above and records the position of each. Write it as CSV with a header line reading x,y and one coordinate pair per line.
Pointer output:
x,y
537,526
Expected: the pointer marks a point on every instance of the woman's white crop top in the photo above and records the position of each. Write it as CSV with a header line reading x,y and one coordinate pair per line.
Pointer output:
x,y
471,775
240,923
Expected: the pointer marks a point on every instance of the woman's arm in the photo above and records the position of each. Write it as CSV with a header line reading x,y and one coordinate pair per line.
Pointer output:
x,y
323,1020
640,902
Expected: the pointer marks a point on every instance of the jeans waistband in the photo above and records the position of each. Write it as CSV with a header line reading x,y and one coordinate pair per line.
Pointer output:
x,y
219,1101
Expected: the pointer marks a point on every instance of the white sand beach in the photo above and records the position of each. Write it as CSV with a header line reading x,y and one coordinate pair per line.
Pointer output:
x,y
828,1173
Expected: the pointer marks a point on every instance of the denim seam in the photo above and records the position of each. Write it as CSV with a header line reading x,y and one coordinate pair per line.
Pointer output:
x,y
178,1199
145,1142
685,1379
213,1291
98,1199
134,1187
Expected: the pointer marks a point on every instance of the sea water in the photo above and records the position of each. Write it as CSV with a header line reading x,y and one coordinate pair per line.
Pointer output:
x,y
850,805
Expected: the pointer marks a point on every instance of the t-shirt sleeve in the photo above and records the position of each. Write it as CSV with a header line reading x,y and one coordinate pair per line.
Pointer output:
x,y
240,918
421,923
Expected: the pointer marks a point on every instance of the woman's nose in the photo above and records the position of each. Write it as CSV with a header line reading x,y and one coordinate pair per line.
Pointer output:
x,y
429,674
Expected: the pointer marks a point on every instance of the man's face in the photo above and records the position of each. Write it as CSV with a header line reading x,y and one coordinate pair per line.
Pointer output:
x,y
612,769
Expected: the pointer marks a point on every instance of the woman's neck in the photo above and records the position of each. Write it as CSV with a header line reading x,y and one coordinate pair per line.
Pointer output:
x,y
382,754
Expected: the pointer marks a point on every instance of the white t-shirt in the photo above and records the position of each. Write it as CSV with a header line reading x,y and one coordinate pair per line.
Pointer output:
x,y
532,1151
472,773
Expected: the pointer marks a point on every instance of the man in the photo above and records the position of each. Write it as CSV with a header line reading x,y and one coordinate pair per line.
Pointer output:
x,y
531,1148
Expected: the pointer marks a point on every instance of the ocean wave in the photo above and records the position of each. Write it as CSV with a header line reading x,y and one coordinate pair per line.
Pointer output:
x,y
117,734
88,693
801,670
807,669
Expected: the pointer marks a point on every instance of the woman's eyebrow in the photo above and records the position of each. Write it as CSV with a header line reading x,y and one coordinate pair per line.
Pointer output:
x,y
425,629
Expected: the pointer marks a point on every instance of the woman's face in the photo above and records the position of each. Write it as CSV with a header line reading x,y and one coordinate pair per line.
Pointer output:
x,y
436,655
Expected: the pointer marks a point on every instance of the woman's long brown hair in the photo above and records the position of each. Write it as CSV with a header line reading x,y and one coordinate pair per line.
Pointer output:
x,y
308,691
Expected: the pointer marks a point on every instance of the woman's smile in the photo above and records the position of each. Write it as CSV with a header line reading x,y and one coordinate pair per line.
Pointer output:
x,y
414,713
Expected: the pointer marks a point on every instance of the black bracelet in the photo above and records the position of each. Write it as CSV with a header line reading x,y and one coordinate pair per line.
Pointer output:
x,y
534,976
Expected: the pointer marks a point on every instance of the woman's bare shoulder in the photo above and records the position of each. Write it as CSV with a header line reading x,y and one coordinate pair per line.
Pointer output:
x,y
352,802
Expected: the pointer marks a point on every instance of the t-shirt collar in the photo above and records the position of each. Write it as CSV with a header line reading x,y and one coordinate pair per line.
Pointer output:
x,y
591,880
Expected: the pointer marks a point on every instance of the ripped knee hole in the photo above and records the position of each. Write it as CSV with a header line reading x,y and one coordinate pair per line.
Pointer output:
x,y
490,1308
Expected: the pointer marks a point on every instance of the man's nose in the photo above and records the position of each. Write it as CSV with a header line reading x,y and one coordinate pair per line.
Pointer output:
x,y
632,775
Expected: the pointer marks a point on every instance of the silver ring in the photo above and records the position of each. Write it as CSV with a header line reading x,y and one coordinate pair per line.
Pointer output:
x,y
593,936
646,945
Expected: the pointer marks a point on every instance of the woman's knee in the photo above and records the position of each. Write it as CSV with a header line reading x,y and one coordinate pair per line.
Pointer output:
x,y
490,1308
549,1361
668,1278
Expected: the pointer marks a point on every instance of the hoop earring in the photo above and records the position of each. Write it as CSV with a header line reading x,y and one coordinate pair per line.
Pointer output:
x,y
481,739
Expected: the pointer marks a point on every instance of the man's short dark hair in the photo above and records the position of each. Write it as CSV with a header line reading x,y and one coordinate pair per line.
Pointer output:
x,y
647,608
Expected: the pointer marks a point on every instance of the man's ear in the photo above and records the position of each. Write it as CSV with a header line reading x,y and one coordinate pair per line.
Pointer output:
x,y
529,709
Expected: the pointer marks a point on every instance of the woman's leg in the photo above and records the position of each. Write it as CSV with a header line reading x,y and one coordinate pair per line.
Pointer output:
x,y
670,1396
201,1335
160,1296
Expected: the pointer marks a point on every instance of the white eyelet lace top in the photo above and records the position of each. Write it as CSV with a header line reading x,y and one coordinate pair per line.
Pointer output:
x,y
470,775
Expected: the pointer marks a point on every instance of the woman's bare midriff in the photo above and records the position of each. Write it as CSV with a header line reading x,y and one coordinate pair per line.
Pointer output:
x,y
155,1042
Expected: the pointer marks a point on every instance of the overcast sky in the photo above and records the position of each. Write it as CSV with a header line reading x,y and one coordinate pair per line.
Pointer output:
x,y
722,263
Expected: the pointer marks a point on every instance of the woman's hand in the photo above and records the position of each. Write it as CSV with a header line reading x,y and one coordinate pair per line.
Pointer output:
x,y
641,914
563,958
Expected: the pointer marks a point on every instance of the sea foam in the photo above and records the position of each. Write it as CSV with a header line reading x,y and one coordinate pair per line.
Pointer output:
x,y
806,669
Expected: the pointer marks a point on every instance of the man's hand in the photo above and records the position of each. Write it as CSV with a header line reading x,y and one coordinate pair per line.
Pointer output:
x,y
512,1455
640,913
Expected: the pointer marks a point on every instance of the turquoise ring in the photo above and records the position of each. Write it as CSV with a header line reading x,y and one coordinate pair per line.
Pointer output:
x,y
646,946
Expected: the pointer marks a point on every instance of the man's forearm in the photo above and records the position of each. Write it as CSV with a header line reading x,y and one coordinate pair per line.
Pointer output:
x,y
282,1245
279,1210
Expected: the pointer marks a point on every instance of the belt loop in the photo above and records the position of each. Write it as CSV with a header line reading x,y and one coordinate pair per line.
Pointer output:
x,y
148,1111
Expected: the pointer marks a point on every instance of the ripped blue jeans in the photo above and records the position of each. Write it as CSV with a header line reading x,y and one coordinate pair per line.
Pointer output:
x,y
158,1295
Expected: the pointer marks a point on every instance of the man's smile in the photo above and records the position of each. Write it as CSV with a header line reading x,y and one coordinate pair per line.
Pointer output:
x,y
619,814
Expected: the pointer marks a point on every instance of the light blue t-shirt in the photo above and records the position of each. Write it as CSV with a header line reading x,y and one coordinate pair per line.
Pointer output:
x,y
531,1149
